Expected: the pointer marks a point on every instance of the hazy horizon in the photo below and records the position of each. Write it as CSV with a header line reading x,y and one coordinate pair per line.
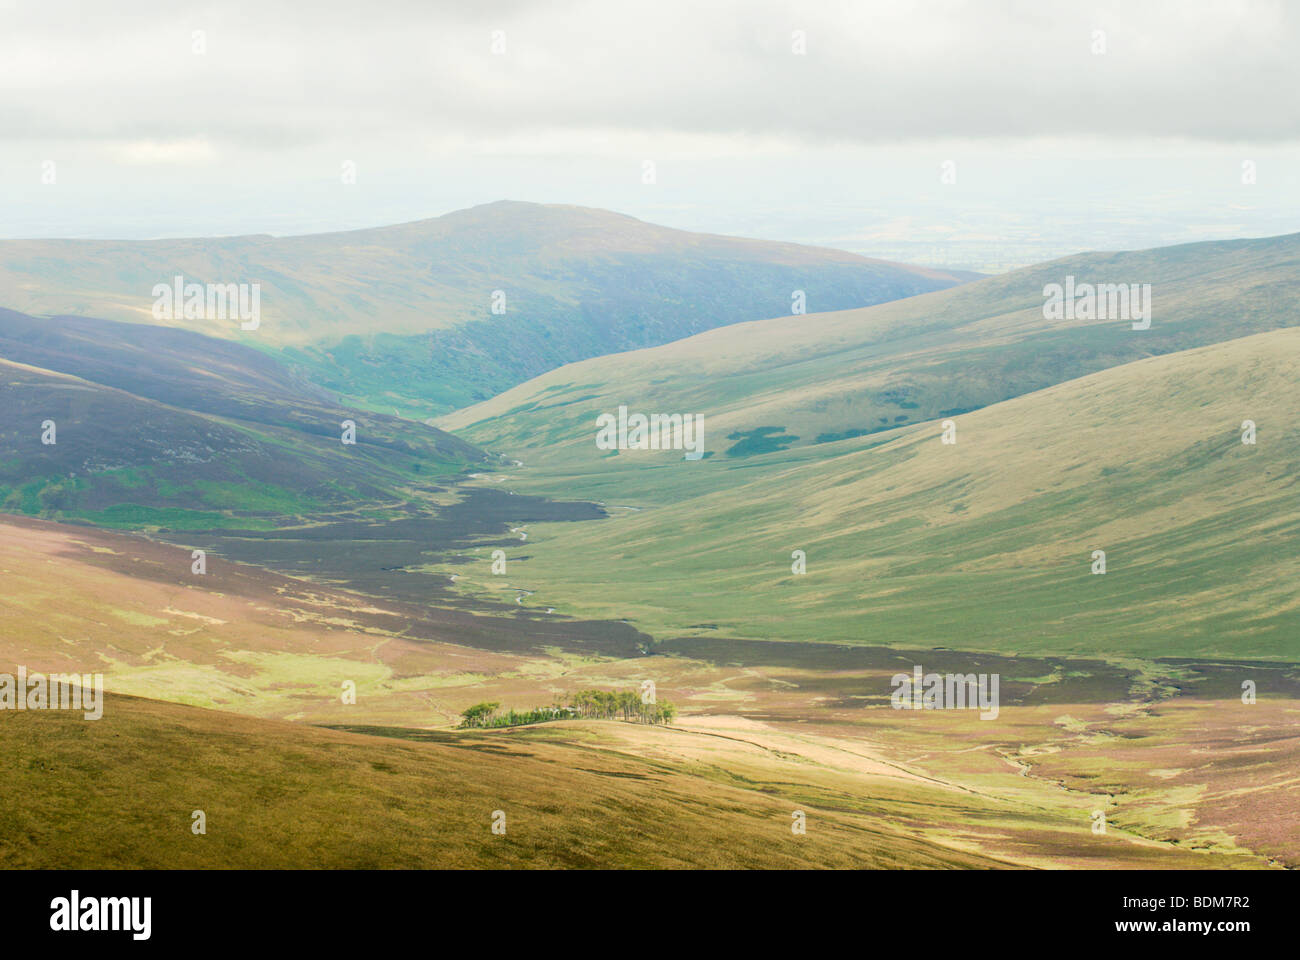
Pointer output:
x,y
1062,123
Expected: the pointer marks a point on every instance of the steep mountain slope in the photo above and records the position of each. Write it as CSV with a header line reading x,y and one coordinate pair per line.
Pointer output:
x,y
158,427
792,381
985,544
403,317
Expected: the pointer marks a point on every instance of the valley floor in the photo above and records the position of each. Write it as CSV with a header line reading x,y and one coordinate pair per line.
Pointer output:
x,y
1184,774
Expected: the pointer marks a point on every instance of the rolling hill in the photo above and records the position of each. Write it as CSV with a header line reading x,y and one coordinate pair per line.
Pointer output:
x,y
789,382
402,316
368,563
162,427
985,544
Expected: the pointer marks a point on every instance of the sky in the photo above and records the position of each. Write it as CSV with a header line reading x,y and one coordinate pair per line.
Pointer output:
x,y
982,135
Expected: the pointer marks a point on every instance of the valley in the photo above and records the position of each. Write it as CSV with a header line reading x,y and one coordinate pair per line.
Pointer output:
x,y
305,682
807,726
911,541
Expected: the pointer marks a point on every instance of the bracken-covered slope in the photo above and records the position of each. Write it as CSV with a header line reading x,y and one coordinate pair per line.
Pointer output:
x,y
402,316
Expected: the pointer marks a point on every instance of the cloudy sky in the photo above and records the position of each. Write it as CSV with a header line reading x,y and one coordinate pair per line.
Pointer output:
x,y
1059,126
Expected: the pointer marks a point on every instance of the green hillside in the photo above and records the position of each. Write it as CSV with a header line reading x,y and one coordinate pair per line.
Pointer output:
x,y
986,544
401,318
790,382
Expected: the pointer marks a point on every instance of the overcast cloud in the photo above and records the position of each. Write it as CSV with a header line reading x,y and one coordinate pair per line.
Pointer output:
x,y
279,73
256,127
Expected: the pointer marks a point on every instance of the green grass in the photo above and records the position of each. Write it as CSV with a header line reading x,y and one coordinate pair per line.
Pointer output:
x,y
985,545
832,376
408,326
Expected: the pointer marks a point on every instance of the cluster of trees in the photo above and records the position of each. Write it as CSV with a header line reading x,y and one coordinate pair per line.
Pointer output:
x,y
592,704
485,715
604,705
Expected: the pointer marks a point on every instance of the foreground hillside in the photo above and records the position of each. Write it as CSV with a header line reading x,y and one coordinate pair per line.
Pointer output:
x,y
789,382
403,316
121,792
800,727
985,544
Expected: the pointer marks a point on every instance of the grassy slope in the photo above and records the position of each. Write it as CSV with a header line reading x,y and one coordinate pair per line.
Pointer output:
x,y
400,317
985,545
119,792
818,377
